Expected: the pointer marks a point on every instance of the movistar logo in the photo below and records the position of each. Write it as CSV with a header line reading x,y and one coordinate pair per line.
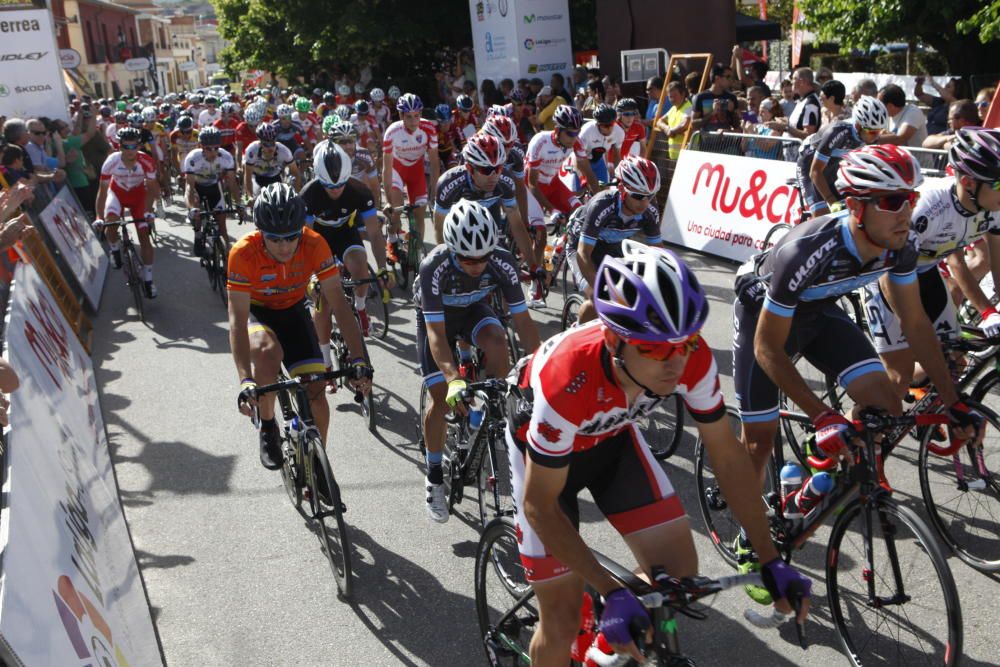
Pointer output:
x,y
531,18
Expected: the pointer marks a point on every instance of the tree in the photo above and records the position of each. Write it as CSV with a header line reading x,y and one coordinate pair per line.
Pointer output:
x,y
857,24
986,21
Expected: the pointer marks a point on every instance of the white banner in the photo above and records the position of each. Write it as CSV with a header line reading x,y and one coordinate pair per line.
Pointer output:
x,y
70,592
67,226
725,204
544,45
31,81
494,39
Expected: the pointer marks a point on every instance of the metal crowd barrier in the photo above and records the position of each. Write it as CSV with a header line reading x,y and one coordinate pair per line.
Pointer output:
x,y
748,145
932,162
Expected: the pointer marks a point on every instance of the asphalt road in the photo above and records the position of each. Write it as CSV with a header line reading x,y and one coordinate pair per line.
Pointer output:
x,y
235,576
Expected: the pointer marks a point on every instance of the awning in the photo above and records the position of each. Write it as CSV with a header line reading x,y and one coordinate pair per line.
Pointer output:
x,y
76,82
749,29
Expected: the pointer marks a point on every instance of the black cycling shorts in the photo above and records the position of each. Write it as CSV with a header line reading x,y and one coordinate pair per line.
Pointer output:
x,y
212,194
296,334
462,323
821,332
341,239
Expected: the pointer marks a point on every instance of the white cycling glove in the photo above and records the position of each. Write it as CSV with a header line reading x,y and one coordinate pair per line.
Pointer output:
x,y
990,323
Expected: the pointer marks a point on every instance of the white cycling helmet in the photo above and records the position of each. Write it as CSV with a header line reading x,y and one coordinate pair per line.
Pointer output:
x,y
870,114
284,111
343,90
331,164
359,88
394,92
469,229
254,115
377,95
149,114
344,112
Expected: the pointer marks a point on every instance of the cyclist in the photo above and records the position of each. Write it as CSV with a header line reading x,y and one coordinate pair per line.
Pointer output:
x,y
380,110
269,271
128,181
265,160
337,206
368,133
816,169
246,131
447,146
210,113
227,124
451,298
289,132
598,228
362,163
205,170
602,138
183,140
111,131
405,145
572,426
635,132
307,120
946,219
465,121
787,304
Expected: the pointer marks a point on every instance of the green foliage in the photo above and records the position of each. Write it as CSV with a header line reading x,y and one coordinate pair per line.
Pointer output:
x,y
986,22
779,11
583,24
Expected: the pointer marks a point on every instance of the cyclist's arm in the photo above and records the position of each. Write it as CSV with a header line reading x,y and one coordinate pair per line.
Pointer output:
x,y
769,349
102,197
438,226
584,252
375,187
247,178
333,291
233,186
967,282
900,138
521,194
819,179
293,169
904,299
519,230
239,336
592,184
190,193
542,487
543,201
527,332
435,173
437,340
152,192
374,229
387,169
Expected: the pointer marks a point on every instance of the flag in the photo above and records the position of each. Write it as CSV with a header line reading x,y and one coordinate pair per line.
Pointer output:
x,y
763,17
796,35
993,115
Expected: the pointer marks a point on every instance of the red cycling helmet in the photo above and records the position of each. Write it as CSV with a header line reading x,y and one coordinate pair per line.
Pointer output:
x,y
637,175
877,168
483,150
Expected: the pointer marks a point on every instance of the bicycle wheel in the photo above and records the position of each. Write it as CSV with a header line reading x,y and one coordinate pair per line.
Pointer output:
x,y
664,428
505,605
496,488
133,273
570,311
378,309
775,233
720,521
514,350
328,511
916,621
210,259
403,268
220,257
962,495
567,277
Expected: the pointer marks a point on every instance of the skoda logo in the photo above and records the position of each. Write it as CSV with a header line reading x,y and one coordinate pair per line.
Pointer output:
x,y
4,90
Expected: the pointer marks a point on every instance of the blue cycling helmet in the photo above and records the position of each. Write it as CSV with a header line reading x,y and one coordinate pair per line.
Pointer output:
x,y
443,112
409,102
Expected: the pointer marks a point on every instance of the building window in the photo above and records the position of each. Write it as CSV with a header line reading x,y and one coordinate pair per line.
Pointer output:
x,y
91,47
104,34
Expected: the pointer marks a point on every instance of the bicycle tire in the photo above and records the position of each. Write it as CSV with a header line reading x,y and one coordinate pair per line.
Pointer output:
x,y
514,349
778,230
421,409
663,429
497,557
571,311
133,279
293,479
328,512
403,273
720,522
221,262
966,513
494,481
840,556
378,309
210,259
567,275
452,459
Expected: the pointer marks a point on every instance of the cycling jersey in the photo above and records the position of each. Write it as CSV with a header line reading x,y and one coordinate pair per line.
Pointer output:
x,y
546,155
366,129
827,146
353,207
184,143
207,172
382,115
273,284
267,167
123,178
465,127
456,184
363,164
943,226
308,122
596,144
245,134
290,136
111,134
634,133
227,129
602,221
408,148
443,285
208,117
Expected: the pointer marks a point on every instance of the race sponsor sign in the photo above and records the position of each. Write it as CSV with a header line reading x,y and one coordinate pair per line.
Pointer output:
x,y
66,225
521,38
31,82
724,204
71,593
494,38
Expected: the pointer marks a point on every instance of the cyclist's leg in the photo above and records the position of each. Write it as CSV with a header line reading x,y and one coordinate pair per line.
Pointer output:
x,y
355,258
756,393
265,356
112,212
811,199
302,356
416,193
437,388
394,193
536,223
488,335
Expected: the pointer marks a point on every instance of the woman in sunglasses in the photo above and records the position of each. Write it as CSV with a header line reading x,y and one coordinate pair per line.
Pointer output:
x,y
946,219
269,323
598,229
572,426
787,304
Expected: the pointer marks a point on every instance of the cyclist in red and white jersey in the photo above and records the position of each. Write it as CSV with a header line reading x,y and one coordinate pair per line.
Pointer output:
x,y
572,426
128,181
381,112
545,158
405,145
369,135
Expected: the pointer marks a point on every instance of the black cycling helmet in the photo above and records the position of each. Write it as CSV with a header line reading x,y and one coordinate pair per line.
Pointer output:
x,y
464,102
362,108
185,123
129,134
278,210
210,136
626,104
975,152
605,113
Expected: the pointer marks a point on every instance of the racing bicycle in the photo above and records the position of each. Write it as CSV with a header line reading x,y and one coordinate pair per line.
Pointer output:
x,y
132,264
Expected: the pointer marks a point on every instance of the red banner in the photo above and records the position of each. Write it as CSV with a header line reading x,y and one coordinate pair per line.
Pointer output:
x,y
796,36
763,17
993,115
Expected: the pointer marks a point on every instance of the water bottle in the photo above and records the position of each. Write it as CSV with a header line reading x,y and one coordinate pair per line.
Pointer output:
x,y
588,629
791,479
809,495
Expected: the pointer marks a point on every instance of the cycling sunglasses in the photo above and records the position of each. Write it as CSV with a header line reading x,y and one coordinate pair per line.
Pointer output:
x,y
130,147
268,144
638,197
629,113
571,134
472,260
893,203
345,142
489,171
667,351
282,238
333,186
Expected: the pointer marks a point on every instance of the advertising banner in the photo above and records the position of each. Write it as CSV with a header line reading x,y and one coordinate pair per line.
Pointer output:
x,y
724,204
66,224
494,38
70,592
521,38
31,82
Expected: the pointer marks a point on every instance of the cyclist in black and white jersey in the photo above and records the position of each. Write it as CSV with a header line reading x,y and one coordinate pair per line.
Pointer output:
x,y
816,168
363,167
787,305
205,171
598,228
946,220
265,160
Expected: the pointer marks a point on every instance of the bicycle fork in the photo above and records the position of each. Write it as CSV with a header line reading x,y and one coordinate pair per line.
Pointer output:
x,y
900,597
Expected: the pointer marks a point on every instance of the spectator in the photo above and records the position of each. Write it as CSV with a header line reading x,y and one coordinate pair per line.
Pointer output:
x,y
961,113
39,150
755,95
692,83
558,83
824,75
595,98
831,98
14,230
805,117
937,117
864,87
535,86
489,95
983,99
506,88
547,104
469,88
654,89
787,97
579,80
751,74
73,138
13,197
612,89
14,170
762,148
907,124
676,121
524,117
714,110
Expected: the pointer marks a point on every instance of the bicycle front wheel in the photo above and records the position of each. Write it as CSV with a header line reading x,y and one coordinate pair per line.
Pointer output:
x,y
505,605
328,511
902,607
133,274
664,428
571,311
496,488
378,309
220,268
962,494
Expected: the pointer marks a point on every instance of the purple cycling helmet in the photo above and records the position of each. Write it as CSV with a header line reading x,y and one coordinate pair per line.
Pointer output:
x,y
649,296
